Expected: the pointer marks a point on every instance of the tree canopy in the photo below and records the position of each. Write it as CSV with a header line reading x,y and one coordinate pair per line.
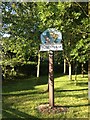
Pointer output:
x,y
24,22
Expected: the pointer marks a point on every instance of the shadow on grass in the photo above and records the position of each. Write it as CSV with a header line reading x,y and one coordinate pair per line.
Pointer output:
x,y
24,93
62,93
13,114
75,96
85,76
24,84
82,84
77,105
40,92
70,90
59,75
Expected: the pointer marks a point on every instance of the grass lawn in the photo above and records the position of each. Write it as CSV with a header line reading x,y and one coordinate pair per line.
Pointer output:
x,y
21,97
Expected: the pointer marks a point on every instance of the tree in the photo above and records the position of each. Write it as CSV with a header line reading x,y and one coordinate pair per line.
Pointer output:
x,y
75,21
80,50
24,22
20,21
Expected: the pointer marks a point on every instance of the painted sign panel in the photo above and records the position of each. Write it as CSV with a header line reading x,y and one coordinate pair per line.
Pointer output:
x,y
52,47
50,36
51,40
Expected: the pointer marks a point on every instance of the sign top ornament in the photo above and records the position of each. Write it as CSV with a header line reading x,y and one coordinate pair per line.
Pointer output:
x,y
51,36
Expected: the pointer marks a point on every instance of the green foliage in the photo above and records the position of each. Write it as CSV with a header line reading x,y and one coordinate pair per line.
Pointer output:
x,y
25,21
75,32
20,21
80,51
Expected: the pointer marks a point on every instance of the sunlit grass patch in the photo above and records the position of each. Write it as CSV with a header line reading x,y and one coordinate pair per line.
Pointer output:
x,y
21,98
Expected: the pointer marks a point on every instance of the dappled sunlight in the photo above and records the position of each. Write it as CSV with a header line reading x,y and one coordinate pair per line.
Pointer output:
x,y
25,96
45,59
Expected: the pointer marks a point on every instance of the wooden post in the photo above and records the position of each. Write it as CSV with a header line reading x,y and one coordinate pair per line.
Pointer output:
x,y
51,80
38,66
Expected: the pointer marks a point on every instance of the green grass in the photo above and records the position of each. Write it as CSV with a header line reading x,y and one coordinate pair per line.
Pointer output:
x,y
21,97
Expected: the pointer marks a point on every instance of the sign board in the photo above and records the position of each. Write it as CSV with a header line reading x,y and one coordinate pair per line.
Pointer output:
x,y
51,40
51,35
52,47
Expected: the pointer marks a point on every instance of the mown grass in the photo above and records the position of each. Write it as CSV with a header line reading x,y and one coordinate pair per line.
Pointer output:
x,y
22,97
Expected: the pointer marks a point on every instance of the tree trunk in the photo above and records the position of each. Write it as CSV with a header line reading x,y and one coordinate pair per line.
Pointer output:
x,y
82,70
64,66
76,73
38,66
70,71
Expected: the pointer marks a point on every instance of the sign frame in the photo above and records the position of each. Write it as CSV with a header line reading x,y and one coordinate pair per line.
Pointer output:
x,y
51,47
